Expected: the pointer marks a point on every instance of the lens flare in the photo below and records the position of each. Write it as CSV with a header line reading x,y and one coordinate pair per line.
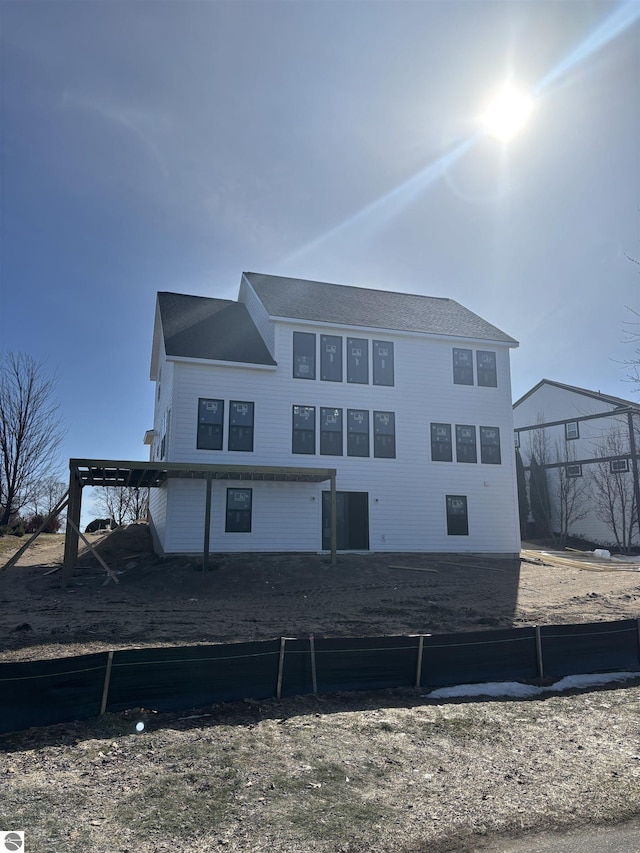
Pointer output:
x,y
507,113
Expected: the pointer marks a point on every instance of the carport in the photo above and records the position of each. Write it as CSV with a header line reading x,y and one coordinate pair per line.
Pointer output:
x,y
100,472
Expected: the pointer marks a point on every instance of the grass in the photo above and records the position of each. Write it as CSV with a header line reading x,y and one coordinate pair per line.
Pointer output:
x,y
371,772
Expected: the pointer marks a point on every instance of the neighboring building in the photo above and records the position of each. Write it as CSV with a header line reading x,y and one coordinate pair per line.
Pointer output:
x,y
408,397
588,444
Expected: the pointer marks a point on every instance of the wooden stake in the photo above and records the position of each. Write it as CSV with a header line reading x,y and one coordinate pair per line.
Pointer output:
x,y
107,680
111,574
314,678
539,652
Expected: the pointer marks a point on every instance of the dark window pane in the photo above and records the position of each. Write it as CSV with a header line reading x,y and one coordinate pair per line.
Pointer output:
x,y
384,435
210,424
238,516
331,432
357,432
466,443
304,429
358,360
463,366
304,355
487,373
490,445
457,518
383,363
240,426
441,450
331,358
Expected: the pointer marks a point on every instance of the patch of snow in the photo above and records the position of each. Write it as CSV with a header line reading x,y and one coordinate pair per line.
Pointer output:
x,y
527,691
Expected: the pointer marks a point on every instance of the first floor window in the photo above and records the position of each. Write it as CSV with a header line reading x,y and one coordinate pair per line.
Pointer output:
x,y
462,366
490,445
457,517
384,435
441,443
240,425
330,432
357,432
466,443
487,370
304,429
210,424
238,519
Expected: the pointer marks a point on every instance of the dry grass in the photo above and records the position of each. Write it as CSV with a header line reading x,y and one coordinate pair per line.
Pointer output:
x,y
362,772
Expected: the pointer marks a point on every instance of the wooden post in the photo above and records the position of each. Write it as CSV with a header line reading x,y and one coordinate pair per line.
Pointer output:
x,y
539,652
419,661
71,535
55,511
334,523
314,677
107,680
207,524
110,574
283,640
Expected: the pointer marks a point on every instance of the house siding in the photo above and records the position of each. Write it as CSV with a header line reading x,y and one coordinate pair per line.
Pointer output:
x,y
407,510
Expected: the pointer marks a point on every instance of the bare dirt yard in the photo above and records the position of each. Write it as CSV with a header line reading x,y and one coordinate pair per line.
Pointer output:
x,y
380,772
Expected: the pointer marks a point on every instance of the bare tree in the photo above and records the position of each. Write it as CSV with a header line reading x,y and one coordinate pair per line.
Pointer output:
x,y
572,492
45,495
613,491
30,430
124,504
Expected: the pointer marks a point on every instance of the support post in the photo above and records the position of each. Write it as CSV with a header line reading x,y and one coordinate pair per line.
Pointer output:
x,y
334,523
634,468
283,640
314,676
71,535
107,680
419,661
207,524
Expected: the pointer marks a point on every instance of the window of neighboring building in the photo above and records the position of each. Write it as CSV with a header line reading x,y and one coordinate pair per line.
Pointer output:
x,y
516,439
383,362
384,435
357,432
619,466
571,430
210,424
487,370
441,450
358,360
331,358
462,366
331,432
574,470
490,445
304,429
466,443
240,425
238,517
304,355
457,517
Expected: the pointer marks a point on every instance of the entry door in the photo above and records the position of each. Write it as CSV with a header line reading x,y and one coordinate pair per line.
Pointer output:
x,y
352,521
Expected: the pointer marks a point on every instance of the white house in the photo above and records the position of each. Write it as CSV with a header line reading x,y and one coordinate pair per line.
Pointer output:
x,y
407,397
588,444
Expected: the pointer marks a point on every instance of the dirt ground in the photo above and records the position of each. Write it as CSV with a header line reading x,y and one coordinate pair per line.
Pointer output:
x,y
255,597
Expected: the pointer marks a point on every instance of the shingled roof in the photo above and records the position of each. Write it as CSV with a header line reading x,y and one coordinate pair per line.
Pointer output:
x,y
217,329
298,299
618,402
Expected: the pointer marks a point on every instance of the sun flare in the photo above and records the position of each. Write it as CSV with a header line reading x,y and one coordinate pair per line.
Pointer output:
x,y
507,113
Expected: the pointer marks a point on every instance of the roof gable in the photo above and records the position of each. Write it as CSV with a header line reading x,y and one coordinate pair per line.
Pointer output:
x,y
594,395
299,299
212,329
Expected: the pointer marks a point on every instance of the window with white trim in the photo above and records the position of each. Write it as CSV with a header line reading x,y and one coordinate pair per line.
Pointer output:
x,y
571,430
574,470
619,466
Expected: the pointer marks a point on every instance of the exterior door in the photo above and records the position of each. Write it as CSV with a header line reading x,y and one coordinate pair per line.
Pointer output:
x,y
352,521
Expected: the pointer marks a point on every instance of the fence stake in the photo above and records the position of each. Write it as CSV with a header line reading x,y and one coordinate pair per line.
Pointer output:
x,y
314,678
107,679
283,640
539,652
419,662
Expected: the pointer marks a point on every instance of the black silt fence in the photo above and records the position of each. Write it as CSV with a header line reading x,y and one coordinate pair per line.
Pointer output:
x,y
175,679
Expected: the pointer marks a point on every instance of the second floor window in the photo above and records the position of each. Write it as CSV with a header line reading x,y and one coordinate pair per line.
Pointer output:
x,y
240,425
487,369
304,429
462,366
210,424
357,432
384,435
441,443
490,445
330,432
466,443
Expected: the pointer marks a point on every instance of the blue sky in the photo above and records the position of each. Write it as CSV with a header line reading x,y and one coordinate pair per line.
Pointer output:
x,y
167,145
